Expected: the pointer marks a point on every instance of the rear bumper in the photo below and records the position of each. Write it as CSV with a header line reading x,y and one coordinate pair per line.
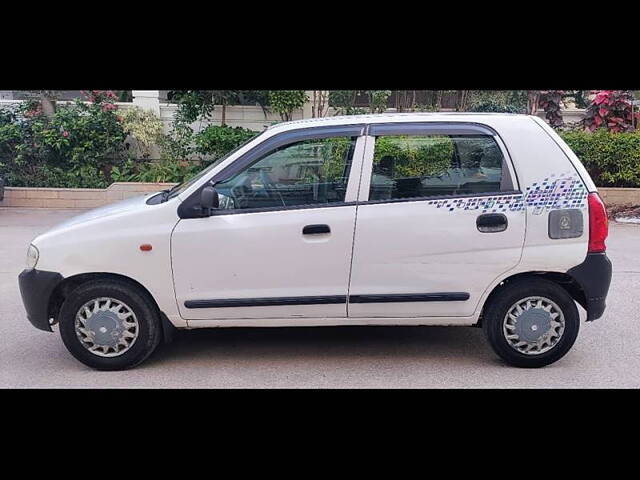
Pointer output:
x,y
594,277
36,287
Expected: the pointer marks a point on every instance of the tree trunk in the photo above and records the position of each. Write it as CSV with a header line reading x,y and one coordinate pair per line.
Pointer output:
x,y
532,101
48,106
224,113
318,105
314,105
462,100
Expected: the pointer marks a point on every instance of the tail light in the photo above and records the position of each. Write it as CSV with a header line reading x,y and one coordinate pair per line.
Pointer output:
x,y
598,224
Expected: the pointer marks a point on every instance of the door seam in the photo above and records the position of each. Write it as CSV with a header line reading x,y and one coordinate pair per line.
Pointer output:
x,y
355,219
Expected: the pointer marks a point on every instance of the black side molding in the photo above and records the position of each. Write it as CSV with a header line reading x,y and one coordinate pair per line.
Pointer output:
x,y
265,302
411,297
330,299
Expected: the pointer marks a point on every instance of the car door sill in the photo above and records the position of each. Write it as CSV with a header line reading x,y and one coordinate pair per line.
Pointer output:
x,y
331,322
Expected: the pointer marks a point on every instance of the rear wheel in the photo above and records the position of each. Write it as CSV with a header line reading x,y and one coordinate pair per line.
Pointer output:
x,y
109,325
531,323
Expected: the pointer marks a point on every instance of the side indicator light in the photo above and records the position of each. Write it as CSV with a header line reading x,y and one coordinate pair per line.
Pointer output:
x,y
146,247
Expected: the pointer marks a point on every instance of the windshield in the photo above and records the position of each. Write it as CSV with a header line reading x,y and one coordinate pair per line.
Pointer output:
x,y
178,189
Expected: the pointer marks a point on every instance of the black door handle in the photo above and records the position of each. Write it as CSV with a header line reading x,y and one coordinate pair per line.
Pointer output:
x,y
492,222
315,229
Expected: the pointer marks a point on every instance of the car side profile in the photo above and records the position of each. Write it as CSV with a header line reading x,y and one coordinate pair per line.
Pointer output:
x,y
486,220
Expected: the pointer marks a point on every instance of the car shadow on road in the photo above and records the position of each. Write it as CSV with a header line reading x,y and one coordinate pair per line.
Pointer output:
x,y
465,344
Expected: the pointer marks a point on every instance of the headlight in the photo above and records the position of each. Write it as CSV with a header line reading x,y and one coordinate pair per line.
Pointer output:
x,y
32,257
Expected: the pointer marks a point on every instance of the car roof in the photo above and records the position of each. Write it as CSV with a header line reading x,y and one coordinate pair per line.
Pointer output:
x,y
479,117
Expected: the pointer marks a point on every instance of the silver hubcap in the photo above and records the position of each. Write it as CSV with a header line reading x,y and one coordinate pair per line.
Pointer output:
x,y
533,325
106,327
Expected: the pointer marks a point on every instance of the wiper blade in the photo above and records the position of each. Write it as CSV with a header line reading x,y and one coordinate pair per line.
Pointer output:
x,y
167,192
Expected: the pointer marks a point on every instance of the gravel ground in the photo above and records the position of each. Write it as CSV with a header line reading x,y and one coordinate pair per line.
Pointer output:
x,y
606,353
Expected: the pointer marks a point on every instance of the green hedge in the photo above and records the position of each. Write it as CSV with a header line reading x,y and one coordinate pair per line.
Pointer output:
x,y
612,159
83,145
217,141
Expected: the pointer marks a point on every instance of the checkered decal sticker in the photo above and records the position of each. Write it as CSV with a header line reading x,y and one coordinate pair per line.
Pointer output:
x,y
564,191
554,192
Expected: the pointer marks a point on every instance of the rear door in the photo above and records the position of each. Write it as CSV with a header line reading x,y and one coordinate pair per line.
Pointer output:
x,y
440,217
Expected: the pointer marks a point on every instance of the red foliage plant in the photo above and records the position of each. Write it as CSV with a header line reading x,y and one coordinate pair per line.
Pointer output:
x,y
611,109
106,98
550,101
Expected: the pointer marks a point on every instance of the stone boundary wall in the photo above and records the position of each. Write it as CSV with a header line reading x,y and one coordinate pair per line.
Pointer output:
x,y
96,197
76,197
620,196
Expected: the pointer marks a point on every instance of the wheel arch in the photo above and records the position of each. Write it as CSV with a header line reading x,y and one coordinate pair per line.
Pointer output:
x,y
563,280
64,288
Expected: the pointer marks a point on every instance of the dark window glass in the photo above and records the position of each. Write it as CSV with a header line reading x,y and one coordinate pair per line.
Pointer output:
x,y
303,173
424,166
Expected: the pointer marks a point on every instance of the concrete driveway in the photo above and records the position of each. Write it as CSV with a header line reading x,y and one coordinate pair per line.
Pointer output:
x,y
606,353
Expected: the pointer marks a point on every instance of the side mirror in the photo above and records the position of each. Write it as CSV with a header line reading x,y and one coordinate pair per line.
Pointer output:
x,y
209,199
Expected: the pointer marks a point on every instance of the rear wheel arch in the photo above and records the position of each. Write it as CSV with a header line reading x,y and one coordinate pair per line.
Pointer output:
x,y
563,280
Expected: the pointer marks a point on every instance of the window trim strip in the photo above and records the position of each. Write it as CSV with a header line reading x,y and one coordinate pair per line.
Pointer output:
x,y
239,211
430,128
504,193
216,213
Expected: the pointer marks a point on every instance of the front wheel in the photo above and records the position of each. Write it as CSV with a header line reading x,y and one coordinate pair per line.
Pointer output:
x,y
531,323
109,325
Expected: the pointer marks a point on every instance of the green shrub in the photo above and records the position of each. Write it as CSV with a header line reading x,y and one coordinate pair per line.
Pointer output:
x,y
285,102
177,163
76,147
612,159
145,127
165,170
507,101
494,106
217,141
416,156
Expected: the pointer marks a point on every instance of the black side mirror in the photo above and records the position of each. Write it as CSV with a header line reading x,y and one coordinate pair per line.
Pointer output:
x,y
209,199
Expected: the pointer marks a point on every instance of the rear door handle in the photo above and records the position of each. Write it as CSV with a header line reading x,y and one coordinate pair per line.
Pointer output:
x,y
492,222
316,229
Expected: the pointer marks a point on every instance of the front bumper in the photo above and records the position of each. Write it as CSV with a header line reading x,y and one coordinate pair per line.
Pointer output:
x,y
594,277
36,287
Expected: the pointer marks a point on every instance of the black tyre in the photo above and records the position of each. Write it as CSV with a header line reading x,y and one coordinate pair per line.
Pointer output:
x,y
531,323
109,325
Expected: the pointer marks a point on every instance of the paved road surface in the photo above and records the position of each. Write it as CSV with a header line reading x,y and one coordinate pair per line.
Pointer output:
x,y
606,353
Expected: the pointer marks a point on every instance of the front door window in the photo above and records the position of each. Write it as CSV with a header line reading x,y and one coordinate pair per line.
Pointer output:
x,y
310,172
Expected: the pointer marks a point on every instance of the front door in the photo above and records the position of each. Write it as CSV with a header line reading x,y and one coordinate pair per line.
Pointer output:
x,y
280,244
440,219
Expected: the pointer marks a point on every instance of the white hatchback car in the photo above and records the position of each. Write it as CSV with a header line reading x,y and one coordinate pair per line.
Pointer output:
x,y
485,220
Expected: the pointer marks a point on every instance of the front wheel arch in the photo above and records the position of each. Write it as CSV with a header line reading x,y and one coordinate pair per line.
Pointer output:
x,y
68,285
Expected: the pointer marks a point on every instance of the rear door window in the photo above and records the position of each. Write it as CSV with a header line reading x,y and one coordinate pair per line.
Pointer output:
x,y
416,166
